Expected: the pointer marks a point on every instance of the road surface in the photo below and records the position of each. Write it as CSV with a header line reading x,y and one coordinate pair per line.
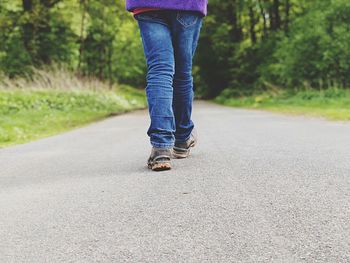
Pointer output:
x,y
260,187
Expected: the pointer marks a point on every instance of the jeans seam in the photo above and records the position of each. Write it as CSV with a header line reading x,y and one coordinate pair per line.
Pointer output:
x,y
141,18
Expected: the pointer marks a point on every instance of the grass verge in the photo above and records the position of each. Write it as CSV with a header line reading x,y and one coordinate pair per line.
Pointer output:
x,y
332,103
30,114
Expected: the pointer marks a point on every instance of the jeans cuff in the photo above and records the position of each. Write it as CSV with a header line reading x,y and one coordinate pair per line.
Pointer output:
x,y
181,140
162,145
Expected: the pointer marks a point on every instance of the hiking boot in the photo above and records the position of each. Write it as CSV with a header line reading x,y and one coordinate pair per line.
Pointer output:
x,y
182,149
160,159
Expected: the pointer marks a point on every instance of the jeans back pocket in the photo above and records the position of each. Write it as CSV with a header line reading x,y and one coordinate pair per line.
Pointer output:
x,y
187,18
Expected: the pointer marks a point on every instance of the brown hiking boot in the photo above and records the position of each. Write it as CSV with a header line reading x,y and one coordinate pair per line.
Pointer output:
x,y
160,159
182,149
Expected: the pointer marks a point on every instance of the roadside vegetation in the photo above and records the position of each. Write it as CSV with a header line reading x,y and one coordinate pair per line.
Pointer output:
x,y
332,103
58,101
96,45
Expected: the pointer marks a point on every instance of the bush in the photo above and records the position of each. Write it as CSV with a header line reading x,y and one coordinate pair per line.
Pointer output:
x,y
317,52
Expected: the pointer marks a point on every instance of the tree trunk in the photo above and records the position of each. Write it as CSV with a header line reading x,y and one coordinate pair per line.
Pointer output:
x,y
252,24
263,15
27,5
275,16
110,77
233,18
276,7
82,28
286,22
28,27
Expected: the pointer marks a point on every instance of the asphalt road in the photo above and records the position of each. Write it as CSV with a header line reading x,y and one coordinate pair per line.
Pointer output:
x,y
260,187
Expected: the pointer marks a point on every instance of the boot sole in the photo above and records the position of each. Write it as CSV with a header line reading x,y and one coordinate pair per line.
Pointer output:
x,y
159,166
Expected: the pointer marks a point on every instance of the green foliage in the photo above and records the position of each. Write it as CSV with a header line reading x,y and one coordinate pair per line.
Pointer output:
x,y
249,46
245,46
13,60
95,38
317,52
33,35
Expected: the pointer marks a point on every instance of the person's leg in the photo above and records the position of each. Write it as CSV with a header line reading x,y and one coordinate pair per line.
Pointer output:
x,y
157,42
185,28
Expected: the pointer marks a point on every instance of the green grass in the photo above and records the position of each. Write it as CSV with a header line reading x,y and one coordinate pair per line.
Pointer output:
x,y
27,115
333,104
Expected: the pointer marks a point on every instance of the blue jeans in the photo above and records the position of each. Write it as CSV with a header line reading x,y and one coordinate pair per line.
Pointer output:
x,y
169,39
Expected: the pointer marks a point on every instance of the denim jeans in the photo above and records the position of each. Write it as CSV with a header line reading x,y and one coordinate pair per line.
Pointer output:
x,y
169,40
